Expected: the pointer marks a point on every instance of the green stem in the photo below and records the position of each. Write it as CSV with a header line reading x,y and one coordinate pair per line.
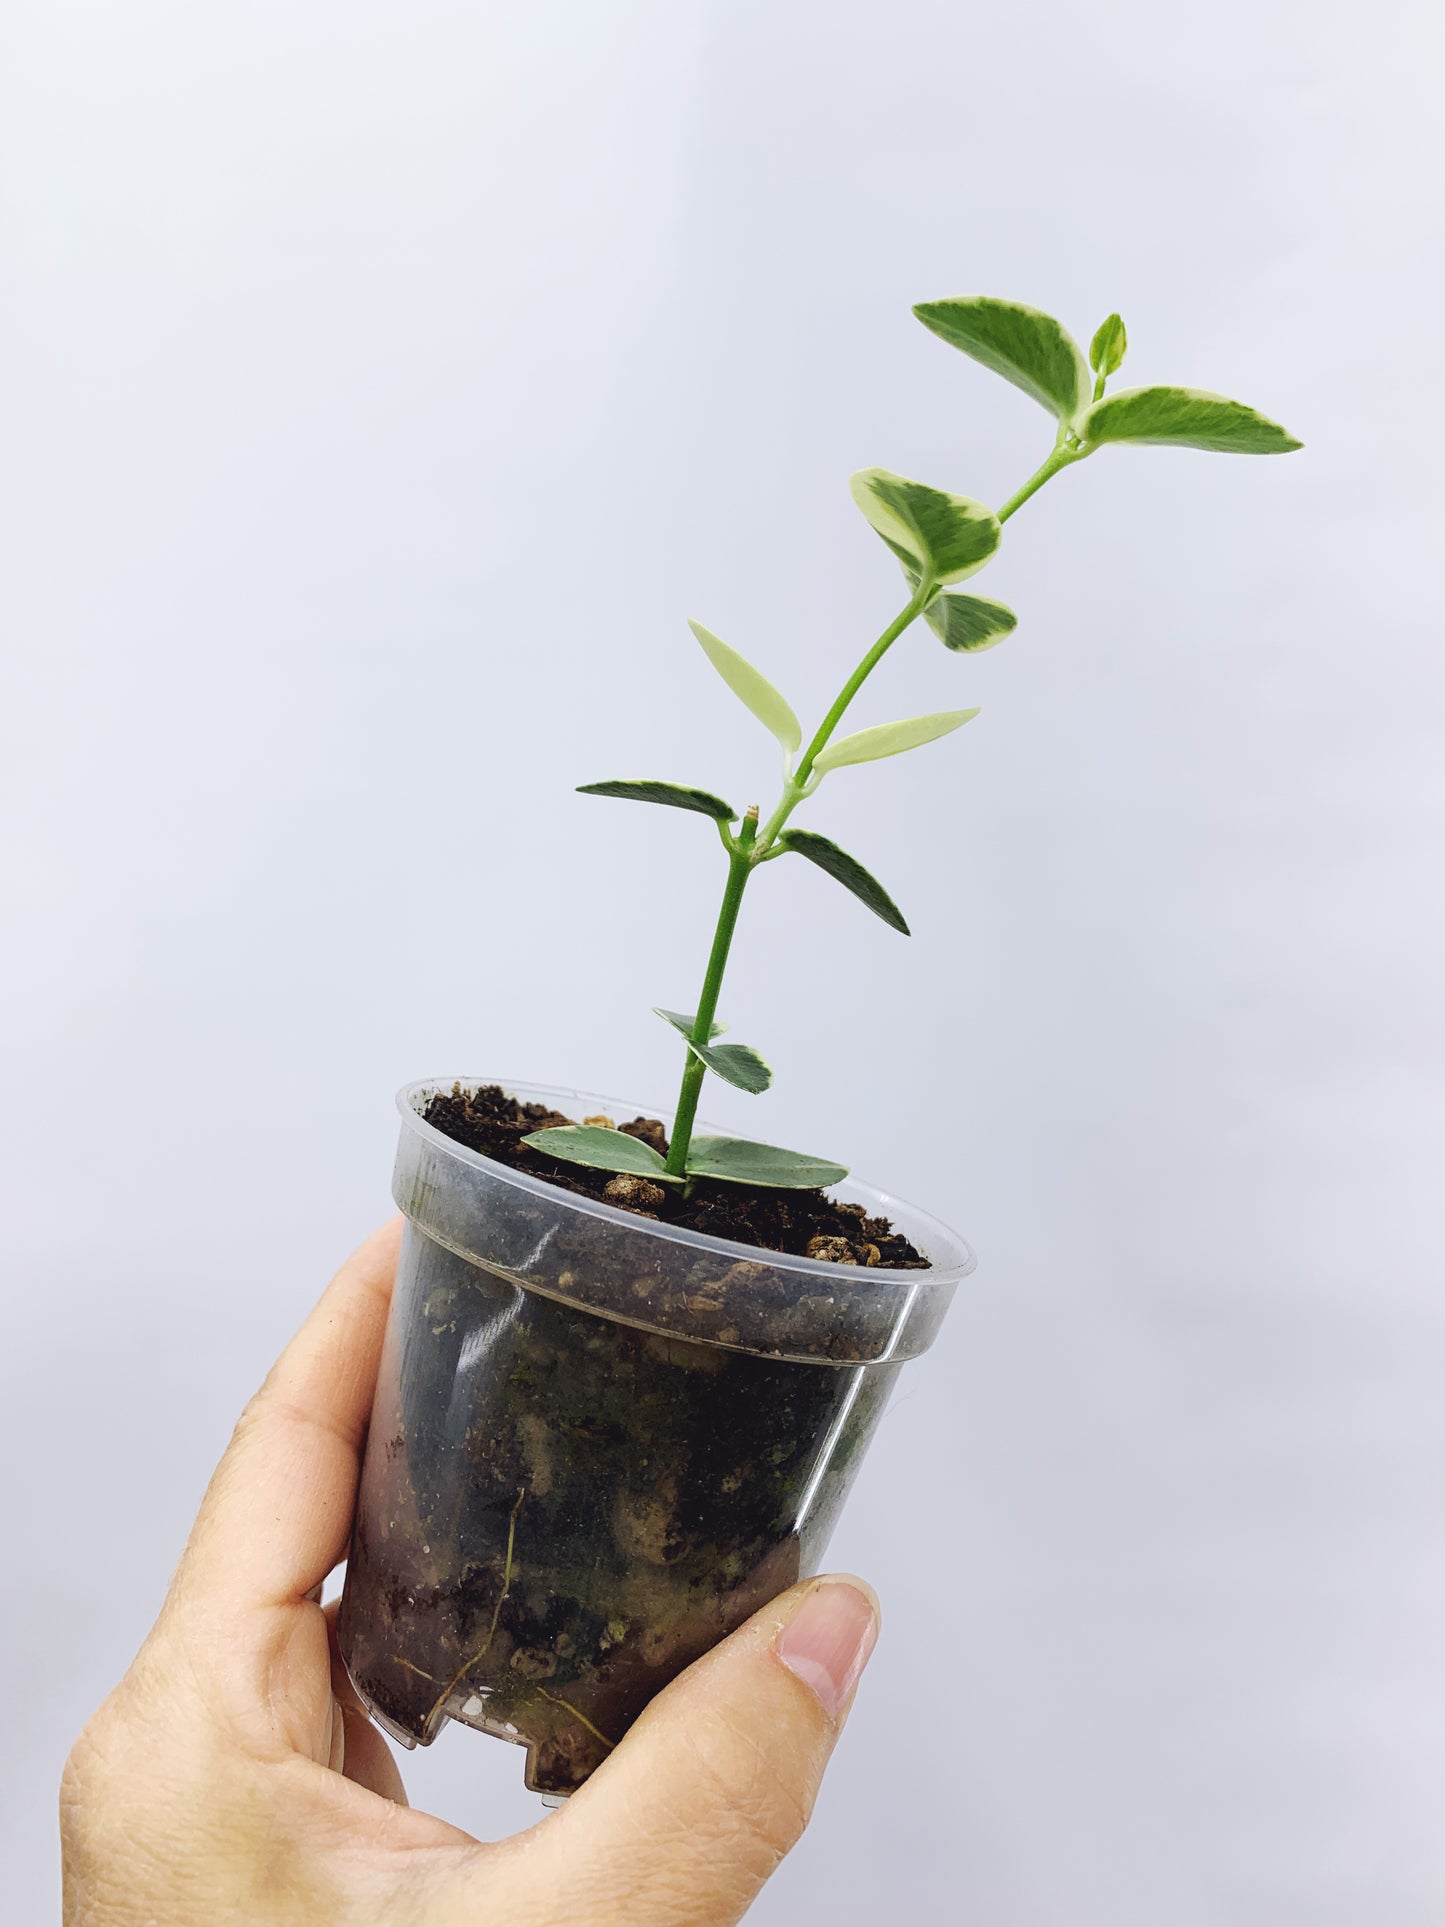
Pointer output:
x,y
740,865
1060,457
753,845
914,608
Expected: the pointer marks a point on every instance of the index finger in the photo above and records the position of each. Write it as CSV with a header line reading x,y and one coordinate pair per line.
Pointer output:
x,y
277,1513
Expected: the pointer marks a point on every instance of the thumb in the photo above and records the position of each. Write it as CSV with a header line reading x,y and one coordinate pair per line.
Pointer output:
x,y
685,1821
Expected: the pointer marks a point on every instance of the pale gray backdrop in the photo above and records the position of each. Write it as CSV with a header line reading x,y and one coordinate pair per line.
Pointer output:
x,y
385,385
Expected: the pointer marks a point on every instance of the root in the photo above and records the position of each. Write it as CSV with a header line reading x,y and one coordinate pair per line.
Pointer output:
x,y
485,1647
595,1731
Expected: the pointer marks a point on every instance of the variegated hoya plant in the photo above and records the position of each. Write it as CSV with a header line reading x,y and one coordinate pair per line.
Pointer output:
x,y
940,539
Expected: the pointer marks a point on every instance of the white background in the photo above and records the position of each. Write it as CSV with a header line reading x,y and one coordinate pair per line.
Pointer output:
x,y
384,385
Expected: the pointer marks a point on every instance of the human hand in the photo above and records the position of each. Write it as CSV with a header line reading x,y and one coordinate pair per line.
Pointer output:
x,y
232,1777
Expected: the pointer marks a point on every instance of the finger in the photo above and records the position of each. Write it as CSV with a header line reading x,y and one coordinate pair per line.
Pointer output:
x,y
686,1820
365,1756
278,1511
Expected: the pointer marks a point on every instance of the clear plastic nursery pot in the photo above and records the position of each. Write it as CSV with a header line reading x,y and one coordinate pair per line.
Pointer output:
x,y
599,1443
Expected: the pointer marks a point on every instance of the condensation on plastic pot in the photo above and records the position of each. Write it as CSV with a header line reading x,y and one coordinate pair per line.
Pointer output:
x,y
663,1278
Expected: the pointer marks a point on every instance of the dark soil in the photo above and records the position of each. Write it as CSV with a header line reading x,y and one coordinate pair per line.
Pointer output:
x,y
806,1224
559,1512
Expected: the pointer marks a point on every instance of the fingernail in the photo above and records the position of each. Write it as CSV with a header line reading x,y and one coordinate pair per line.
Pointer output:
x,y
829,1638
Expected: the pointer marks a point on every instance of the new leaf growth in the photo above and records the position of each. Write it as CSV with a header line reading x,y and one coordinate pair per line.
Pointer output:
x,y
940,539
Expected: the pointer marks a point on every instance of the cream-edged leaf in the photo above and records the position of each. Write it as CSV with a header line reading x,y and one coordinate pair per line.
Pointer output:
x,y
676,796
890,739
751,687
969,622
687,1025
934,534
1024,345
740,1161
603,1150
736,1064
1109,346
848,871
1184,418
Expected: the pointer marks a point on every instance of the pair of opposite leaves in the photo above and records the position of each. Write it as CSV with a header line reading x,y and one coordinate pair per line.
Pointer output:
x,y
946,538
775,712
942,539
1038,355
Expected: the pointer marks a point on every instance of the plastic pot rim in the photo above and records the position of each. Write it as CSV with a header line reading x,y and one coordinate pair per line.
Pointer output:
x,y
951,1257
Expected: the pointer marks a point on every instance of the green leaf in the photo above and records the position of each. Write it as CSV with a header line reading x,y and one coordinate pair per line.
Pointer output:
x,y
848,871
890,739
969,622
966,622
1185,418
676,795
752,688
603,1150
945,537
1109,346
685,1024
1028,348
736,1064
742,1162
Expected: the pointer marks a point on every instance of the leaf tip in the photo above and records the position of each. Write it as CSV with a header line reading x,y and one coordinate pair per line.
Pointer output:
x,y
1109,346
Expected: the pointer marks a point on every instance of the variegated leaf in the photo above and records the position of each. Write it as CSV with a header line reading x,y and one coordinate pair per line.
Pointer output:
x,y
736,1064
1109,346
890,739
1024,345
969,622
941,536
677,796
686,1024
602,1150
848,871
752,688
1184,418
740,1161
